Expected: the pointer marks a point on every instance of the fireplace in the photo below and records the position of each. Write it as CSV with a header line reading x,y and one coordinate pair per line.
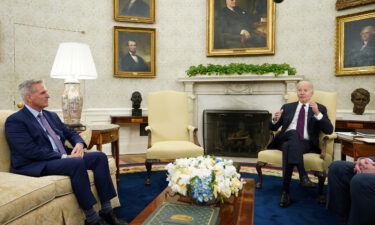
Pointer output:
x,y
238,133
242,92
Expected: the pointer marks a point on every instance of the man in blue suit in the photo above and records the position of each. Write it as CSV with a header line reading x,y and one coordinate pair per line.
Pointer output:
x,y
301,123
36,136
351,191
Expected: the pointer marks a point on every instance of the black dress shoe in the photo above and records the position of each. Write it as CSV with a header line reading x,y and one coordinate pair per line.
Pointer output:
x,y
285,199
99,222
111,218
305,182
321,199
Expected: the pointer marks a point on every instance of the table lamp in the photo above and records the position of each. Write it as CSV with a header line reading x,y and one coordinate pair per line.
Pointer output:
x,y
73,61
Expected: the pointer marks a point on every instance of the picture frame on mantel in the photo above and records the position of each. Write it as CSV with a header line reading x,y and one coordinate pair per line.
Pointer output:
x,y
137,11
355,43
134,52
240,28
345,4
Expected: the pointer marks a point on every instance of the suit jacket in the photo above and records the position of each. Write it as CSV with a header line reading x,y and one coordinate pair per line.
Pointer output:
x,y
314,126
129,65
29,144
357,56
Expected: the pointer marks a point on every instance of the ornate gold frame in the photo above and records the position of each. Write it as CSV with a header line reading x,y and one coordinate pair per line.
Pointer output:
x,y
134,19
150,49
269,49
342,4
340,68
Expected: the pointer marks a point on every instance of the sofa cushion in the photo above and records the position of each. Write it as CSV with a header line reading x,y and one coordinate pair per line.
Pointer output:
x,y
20,194
63,185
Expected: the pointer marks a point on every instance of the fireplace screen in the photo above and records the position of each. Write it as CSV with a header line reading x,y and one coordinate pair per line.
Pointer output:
x,y
241,133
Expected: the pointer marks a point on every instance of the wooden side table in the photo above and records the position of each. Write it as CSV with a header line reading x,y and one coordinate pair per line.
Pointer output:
x,y
104,134
356,149
124,120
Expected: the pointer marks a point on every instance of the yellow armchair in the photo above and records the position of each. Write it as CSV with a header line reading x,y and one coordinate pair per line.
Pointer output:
x,y
318,163
169,134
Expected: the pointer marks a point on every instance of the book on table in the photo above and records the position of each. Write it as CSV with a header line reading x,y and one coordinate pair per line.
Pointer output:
x,y
367,140
172,213
347,135
361,136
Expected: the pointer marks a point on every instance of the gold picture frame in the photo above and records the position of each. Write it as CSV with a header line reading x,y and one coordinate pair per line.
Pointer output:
x,y
345,4
139,11
355,44
251,34
134,52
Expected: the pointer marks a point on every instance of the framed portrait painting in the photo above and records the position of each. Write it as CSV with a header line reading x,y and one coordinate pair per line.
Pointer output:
x,y
138,11
355,43
344,4
240,27
134,52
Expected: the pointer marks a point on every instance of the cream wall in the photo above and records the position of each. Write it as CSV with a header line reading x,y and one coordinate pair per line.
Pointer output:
x,y
30,31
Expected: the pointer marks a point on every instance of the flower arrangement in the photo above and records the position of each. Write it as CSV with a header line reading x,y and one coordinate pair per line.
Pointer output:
x,y
204,178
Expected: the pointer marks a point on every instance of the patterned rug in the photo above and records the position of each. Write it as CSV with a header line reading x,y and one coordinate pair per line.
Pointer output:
x,y
244,168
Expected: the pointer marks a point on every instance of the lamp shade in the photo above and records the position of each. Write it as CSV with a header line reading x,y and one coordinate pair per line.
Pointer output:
x,y
73,61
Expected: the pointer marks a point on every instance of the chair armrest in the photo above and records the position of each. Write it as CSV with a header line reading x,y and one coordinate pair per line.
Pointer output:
x,y
193,132
325,139
148,129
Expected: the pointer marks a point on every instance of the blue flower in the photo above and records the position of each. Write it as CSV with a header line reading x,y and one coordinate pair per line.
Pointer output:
x,y
201,189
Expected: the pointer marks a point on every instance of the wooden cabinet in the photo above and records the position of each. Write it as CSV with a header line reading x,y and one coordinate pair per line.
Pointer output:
x,y
355,124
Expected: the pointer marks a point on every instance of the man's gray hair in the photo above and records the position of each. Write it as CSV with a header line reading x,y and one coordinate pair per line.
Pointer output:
x,y
27,87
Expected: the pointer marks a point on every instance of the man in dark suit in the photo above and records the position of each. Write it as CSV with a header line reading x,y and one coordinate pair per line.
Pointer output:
x,y
36,139
234,28
131,62
136,8
362,54
301,123
351,191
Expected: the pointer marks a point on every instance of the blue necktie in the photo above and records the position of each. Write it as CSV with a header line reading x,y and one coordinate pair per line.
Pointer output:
x,y
52,133
301,122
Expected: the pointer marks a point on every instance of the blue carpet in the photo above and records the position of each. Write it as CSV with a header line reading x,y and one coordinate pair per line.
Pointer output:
x,y
134,196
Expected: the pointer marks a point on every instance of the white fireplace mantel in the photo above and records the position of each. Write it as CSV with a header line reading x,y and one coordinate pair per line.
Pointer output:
x,y
240,84
236,92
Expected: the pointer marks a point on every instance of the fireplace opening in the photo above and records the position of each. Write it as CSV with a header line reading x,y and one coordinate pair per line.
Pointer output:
x,y
239,133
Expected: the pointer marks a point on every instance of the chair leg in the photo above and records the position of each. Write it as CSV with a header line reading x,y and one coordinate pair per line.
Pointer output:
x,y
321,179
148,164
259,166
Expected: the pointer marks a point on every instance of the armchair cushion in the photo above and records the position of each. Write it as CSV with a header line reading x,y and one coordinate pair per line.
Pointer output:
x,y
173,150
312,161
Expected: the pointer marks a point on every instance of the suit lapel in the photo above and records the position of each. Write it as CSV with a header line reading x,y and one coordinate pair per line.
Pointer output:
x,y
290,115
34,122
310,114
52,124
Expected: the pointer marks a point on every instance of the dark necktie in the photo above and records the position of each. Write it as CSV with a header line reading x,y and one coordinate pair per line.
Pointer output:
x,y
301,122
52,133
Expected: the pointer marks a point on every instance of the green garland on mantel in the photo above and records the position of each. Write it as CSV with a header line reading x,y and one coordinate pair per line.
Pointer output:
x,y
240,68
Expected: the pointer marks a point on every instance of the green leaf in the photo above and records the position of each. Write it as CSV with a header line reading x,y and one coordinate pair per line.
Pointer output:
x,y
240,68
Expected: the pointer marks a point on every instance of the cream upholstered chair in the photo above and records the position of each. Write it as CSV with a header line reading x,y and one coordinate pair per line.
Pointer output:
x,y
169,134
318,163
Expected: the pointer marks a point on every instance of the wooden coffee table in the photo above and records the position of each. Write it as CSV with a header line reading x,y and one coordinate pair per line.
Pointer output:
x,y
237,211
